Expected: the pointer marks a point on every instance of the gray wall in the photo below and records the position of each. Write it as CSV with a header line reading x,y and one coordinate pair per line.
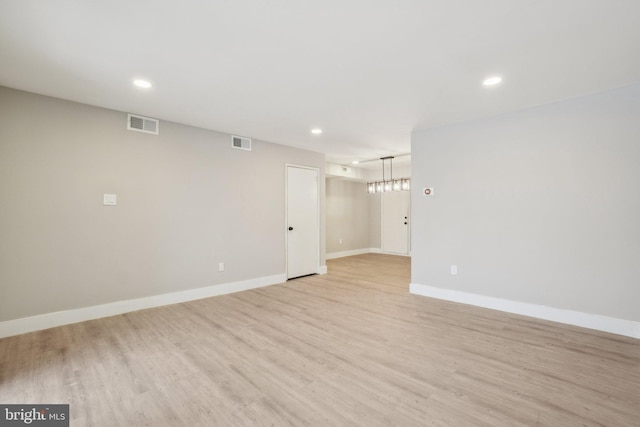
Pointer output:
x,y
186,200
347,215
375,224
538,206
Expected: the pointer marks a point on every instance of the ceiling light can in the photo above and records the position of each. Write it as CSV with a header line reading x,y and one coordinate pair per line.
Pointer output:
x,y
492,81
142,83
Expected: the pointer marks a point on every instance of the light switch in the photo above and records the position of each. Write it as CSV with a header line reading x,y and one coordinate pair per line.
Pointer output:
x,y
110,200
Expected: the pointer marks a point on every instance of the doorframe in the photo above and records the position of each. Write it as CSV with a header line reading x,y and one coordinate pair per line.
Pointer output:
x,y
286,215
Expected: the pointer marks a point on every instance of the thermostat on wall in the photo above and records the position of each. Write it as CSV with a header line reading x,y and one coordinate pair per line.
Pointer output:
x,y
428,191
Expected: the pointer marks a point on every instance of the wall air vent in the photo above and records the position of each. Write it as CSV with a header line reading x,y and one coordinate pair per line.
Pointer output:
x,y
241,142
143,124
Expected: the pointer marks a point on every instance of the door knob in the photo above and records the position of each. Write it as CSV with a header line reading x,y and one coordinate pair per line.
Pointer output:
x,y
290,228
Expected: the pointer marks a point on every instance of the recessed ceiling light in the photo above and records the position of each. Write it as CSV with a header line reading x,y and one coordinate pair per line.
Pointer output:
x,y
316,131
492,81
142,83
355,162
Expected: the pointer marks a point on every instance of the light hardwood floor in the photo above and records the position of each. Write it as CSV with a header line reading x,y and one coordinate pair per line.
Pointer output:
x,y
352,347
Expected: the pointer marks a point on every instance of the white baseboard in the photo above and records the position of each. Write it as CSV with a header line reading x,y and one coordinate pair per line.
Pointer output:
x,y
395,254
322,269
333,255
613,325
380,251
59,318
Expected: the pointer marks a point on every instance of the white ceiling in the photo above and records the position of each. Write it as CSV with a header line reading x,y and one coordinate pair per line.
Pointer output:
x,y
367,72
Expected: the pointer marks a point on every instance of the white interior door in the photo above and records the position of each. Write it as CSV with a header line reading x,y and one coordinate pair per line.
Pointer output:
x,y
303,239
395,222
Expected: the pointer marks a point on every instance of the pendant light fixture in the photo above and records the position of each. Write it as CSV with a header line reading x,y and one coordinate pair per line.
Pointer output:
x,y
402,184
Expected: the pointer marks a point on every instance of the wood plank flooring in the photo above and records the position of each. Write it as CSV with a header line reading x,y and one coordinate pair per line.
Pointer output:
x,y
350,348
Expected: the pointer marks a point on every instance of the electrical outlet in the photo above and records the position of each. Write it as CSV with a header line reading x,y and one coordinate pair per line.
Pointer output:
x,y
221,266
454,269
109,199
340,240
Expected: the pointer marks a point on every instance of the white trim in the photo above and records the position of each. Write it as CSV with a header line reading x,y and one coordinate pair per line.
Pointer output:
x,y
59,318
322,269
333,255
396,254
629,328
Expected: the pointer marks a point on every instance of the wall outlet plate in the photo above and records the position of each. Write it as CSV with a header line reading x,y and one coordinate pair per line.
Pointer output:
x,y
109,199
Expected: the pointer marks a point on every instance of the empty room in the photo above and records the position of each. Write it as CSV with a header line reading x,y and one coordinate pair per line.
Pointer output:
x,y
329,213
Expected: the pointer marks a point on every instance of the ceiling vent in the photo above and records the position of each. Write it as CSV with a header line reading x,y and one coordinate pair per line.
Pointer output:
x,y
241,142
143,124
